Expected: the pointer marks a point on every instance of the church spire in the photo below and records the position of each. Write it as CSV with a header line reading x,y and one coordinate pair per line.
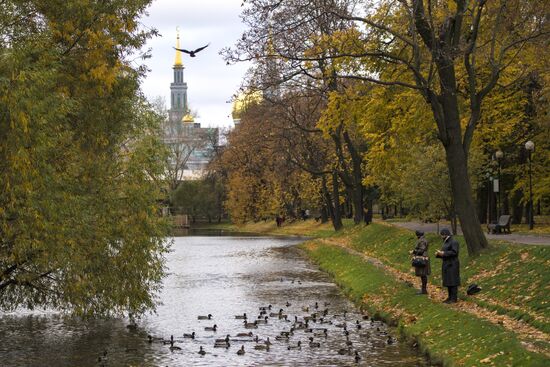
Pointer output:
x,y
178,61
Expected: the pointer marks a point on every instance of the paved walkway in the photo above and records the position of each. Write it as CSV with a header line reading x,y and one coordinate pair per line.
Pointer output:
x,y
515,238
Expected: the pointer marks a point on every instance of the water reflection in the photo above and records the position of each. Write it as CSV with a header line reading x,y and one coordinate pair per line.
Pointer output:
x,y
222,276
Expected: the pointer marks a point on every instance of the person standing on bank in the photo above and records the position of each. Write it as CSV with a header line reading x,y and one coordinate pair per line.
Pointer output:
x,y
450,269
421,249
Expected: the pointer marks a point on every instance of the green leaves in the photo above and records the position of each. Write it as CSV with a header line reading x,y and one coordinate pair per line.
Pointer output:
x,y
80,162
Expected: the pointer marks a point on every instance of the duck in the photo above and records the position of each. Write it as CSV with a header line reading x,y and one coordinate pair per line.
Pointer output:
x,y
261,347
305,309
365,317
268,342
316,305
313,344
241,335
211,328
323,333
348,342
390,340
208,317
273,314
152,339
132,327
222,345
283,317
173,347
310,318
262,321
224,340
240,352
171,341
241,317
297,346
201,351
344,351
357,324
288,304
357,357
282,337
343,325
250,325
265,308
287,333
189,336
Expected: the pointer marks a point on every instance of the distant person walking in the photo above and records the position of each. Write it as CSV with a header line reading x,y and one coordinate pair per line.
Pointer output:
x,y
422,264
450,268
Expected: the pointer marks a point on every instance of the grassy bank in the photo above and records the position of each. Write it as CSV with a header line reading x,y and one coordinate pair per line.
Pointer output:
x,y
450,337
514,279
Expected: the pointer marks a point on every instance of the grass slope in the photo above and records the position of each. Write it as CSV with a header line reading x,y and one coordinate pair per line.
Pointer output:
x,y
450,337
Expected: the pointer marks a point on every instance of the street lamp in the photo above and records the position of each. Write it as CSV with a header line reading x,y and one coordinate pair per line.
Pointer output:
x,y
530,147
490,180
499,154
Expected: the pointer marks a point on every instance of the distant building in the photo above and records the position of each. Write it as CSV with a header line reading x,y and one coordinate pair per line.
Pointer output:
x,y
191,146
242,102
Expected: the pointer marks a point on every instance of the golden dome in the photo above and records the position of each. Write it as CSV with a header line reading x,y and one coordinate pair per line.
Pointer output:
x,y
243,101
188,118
178,61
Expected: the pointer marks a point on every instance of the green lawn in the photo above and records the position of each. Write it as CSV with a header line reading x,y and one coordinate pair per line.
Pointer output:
x,y
514,278
450,337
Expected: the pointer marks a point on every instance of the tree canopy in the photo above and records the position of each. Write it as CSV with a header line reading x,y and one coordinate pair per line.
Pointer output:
x,y
80,160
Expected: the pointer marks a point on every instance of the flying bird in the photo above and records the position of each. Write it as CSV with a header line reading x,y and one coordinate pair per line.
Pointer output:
x,y
192,53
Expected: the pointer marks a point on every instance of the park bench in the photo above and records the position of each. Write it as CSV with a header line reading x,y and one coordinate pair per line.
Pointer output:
x,y
501,226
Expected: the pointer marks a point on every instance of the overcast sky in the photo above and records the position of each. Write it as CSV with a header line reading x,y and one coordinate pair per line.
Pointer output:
x,y
210,82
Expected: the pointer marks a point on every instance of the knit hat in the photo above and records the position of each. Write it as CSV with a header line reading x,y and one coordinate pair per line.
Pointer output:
x,y
445,232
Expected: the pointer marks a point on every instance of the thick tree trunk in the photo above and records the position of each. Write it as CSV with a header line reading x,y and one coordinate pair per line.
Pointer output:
x,y
462,196
357,174
335,218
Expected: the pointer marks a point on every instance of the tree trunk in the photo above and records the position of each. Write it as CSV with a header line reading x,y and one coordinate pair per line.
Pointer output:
x,y
329,206
462,196
368,214
337,219
324,214
357,174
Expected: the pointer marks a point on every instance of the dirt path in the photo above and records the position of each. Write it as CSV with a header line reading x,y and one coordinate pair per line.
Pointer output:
x,y
526,333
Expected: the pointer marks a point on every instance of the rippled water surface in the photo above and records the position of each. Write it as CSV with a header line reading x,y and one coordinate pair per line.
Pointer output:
x,y
222,276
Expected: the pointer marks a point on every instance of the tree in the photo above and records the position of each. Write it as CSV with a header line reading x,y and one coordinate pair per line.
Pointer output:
x,y
80,161
426,46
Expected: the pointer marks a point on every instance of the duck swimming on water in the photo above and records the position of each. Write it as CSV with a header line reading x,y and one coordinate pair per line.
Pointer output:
x,y
297,346
208,317
211,328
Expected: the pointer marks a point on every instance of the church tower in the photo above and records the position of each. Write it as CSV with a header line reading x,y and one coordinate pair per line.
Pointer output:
x,y
178,89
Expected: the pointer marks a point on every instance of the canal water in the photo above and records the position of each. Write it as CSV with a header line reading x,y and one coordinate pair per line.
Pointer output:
x,y
223,276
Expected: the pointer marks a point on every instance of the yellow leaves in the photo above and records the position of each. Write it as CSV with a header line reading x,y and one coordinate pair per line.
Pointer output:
x,y
491,357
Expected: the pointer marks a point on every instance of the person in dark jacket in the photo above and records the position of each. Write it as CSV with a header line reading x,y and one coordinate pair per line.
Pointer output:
x,y
421,249
450,268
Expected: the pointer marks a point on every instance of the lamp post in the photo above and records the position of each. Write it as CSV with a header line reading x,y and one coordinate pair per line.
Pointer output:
x,y
490,180
530,147
498,155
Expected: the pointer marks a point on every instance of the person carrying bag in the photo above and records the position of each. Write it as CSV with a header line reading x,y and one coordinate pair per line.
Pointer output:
x,y
421,262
